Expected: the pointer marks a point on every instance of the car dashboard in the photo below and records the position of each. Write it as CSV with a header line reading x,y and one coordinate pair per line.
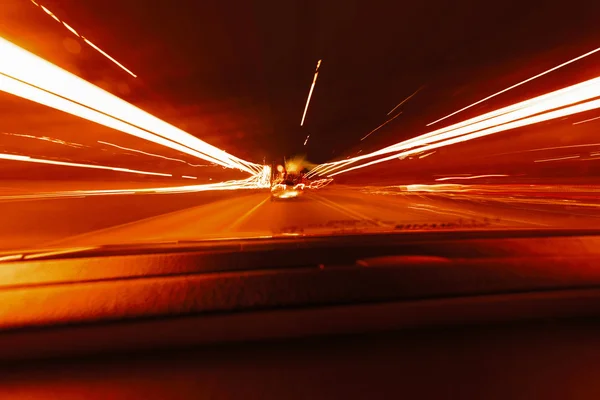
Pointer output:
x,y
445,314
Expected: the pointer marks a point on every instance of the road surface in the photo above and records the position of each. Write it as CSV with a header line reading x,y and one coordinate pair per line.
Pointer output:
x,y
134,218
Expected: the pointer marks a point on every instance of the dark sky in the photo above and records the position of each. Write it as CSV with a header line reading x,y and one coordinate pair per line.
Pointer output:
x,y
237,73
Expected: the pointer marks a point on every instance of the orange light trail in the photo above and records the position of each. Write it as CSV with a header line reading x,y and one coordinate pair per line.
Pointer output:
x,y
26,75
506,118
548,148
426,155
582,91
13,157
381,126
50,14
405,100
318,184
517,85
557,159
590,105
151,154
452,178
189,177
312,87
109,57
46,139
254,182
72,30
585,120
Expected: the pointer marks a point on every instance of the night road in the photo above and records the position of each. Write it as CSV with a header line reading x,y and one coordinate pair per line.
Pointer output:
x,y
124,124
148,218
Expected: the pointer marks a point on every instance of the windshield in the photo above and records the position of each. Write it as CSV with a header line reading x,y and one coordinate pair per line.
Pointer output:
x,y
194,120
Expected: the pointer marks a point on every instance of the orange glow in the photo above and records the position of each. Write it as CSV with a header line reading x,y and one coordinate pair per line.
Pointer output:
x,y
28,76
12,157
452,178
312,87
516,85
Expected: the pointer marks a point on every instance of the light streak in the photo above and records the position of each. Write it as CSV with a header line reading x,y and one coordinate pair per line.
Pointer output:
x,y
548,148
405,100
558,98
426,155
381,126
26,75
451,178
50,14
189,177
590,105
151,154
109,57
254,182
288,194
72,30
29,92
46,139
13,157
585,120
250,183
504,118
264,177
306,141
312,87
557,159
318,184
518,84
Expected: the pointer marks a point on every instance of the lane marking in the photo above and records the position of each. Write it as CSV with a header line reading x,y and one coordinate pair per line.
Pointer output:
x,y
218,204
351,213
241,219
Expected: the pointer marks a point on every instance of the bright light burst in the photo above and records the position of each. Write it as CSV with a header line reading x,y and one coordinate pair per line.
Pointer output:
x,y
567,101
26,75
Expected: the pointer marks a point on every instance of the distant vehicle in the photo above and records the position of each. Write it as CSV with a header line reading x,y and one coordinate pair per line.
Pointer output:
x,y
288,188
